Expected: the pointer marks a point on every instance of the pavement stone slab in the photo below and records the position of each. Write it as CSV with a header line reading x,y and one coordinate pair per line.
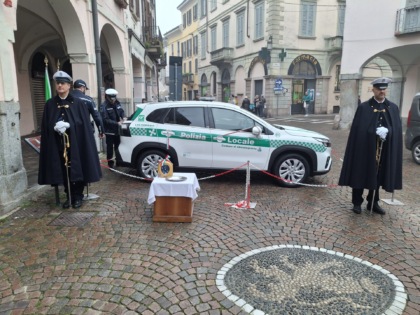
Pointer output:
x,y
123,263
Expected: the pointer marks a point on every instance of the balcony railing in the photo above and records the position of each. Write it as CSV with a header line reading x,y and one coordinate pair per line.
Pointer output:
x,y
122,3
188,78
221,56
334,43
408,20
151,34
153,42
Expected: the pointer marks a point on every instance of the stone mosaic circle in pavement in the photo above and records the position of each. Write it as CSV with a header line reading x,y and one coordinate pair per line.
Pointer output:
x,y
294,279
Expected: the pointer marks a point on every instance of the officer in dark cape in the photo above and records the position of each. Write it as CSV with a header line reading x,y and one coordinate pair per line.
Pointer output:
x,y
373,155
67,144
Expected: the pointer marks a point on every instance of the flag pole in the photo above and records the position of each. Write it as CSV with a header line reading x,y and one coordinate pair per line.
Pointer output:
x,y
47,94
47,85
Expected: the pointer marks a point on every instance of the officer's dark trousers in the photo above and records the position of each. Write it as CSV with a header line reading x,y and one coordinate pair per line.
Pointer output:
x,y
76,190
357,196
112,144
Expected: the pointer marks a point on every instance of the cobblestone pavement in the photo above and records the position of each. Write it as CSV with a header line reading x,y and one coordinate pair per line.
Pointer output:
x,y
120,262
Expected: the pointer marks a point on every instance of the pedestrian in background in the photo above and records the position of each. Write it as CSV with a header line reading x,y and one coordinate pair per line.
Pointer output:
x,y
68,154
113,116
306,102
373,157
261,106
246,103
256,104
79,91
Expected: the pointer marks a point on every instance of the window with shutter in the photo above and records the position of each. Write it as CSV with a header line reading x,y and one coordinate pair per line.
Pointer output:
x,y
341,14
307,19
259,20
213,39
203,8
189,17
195,12
240,19
226,33
203,45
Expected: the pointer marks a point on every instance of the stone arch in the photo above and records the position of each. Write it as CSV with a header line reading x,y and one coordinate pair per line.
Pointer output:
x,y
305,65
203,79
54,30
213,83
112,46
240,84
376,67
204,85
334,86
332,62
386,63
225,80
111,55
389,65
258,71
54,25
225,76
71,26
257,61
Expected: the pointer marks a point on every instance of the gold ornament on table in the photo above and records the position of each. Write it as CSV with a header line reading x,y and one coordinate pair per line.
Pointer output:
x,y
165,168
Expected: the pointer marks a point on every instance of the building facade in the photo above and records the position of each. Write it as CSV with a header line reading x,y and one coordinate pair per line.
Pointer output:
x,y
276,48
173,80
182,41
107,43
376,45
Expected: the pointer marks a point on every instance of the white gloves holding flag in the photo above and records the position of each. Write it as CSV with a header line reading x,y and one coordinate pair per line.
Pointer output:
x,y
61,127
382,132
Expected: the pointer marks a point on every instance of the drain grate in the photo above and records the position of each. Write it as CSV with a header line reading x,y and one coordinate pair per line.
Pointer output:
x,y
73,219
30,213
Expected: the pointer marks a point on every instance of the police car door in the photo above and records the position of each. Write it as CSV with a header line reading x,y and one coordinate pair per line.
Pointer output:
x,y
186,131
233,141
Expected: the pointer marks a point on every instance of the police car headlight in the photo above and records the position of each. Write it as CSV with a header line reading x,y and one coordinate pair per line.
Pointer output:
x,y
325,142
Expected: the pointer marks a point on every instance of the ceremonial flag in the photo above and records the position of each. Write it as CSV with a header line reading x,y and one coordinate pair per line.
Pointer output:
x,y
47,85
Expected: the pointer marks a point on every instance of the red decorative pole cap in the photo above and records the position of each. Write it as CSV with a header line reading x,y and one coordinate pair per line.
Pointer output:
x,y
8,3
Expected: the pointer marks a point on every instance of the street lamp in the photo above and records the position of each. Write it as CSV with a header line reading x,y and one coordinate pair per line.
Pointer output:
x,y
270,43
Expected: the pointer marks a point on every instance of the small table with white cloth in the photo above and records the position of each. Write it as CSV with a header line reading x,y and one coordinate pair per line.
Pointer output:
x,y
173,199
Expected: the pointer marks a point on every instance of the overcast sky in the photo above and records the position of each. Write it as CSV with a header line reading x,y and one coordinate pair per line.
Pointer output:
x,y
167,16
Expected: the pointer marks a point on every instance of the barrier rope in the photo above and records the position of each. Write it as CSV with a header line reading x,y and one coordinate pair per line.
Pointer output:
x,y
248,187
122,173
292,182
246,203
223,173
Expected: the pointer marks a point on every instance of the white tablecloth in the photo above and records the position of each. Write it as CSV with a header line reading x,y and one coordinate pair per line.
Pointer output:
x,y
162,187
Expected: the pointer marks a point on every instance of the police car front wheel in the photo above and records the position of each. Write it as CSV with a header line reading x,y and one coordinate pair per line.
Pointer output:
x,y
292,168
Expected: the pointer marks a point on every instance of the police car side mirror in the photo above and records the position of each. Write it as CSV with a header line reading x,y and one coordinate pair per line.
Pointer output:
x,y
256,131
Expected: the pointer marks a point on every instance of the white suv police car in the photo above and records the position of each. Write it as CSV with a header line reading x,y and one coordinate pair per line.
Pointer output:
x,y
213,135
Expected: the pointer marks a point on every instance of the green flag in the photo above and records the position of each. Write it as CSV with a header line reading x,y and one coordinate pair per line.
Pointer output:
x,y
47,85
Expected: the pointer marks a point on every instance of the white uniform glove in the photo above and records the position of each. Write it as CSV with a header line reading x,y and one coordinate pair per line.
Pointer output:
x,y
382,132
61,126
